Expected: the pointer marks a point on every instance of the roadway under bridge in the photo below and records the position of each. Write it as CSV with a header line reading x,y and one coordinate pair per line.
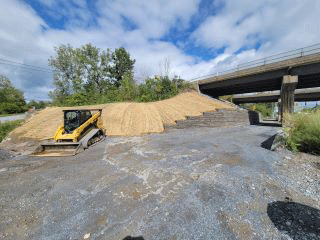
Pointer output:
x,y
285,73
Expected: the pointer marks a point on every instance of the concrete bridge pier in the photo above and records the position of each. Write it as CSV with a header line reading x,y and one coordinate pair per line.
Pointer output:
x,y
289,84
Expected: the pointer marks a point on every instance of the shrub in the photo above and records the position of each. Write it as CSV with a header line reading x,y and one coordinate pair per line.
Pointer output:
x,y
160,87
152,89
7,127
128,88
76,99
303,132
264,108
11,108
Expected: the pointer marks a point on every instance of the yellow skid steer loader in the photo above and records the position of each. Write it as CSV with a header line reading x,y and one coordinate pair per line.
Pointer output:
x,y
80,130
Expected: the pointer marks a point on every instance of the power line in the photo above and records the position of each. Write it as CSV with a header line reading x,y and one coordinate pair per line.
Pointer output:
x,y
28,69
25,66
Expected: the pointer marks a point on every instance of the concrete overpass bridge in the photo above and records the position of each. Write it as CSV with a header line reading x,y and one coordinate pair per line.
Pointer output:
x,y
300,95
285,72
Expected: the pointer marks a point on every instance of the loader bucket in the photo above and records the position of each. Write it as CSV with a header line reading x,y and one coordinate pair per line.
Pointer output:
x,y
58,149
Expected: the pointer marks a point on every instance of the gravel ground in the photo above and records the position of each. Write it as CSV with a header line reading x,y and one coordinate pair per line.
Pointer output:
x,y
4,155
182,184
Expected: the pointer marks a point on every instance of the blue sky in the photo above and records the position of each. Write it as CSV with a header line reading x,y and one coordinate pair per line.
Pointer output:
x,y
196,37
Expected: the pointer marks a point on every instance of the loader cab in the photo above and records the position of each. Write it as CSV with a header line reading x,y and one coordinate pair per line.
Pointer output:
x,y
74,119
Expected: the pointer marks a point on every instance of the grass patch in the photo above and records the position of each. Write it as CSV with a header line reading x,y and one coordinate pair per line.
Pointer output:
x,y
7,127
303,132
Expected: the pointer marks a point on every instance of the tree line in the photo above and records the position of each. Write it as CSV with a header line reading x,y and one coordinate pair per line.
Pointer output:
x,y
89,75
12,99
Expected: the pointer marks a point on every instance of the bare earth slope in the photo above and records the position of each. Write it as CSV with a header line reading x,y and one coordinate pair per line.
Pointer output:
x,y
124,119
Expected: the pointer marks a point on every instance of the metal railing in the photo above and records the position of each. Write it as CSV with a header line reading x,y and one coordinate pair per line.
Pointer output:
x,y
300,52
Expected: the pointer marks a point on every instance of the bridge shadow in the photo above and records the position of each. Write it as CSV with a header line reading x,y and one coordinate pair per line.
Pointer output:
x,y
294,219
270,123
133,238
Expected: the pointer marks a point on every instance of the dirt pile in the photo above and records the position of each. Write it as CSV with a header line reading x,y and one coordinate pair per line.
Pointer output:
x,y
124,119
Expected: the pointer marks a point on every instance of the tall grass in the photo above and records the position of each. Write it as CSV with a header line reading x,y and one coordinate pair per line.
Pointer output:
x,y
7,127
303,132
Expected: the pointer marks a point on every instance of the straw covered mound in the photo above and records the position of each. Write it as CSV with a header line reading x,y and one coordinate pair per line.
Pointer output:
x,y
124,119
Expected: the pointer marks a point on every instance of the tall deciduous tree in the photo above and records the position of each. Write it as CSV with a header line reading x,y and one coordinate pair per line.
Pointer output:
x,y
87,71
66,75
122,63
128,88
95,68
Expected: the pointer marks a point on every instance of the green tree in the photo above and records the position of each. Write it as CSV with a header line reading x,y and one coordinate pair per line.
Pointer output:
x,y
79,70
11,98
122,63
128,88
95,68
147,90
88,73
160,87
66,75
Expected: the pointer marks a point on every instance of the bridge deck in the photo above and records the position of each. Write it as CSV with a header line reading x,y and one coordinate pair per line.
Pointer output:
x,y
298,61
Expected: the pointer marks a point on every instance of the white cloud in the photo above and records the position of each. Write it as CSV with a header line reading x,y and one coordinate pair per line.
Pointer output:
x,y
73,12
24,41
282,24
265,20
154,17
20,28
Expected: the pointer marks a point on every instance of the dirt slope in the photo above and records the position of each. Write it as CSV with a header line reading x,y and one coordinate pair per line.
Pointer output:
x,y
124,119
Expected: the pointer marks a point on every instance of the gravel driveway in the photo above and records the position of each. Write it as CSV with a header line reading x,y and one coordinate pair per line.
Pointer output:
x,y
182,184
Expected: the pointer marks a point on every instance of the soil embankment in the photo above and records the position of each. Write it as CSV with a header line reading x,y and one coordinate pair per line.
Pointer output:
x,y
124,119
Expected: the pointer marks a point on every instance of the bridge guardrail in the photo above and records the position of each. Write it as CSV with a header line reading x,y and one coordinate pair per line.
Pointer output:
x,y
300,52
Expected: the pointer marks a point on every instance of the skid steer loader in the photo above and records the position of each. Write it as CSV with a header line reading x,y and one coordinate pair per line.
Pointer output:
x,y
80,130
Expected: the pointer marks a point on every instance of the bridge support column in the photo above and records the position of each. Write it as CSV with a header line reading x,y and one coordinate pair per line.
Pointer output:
x,y
289,84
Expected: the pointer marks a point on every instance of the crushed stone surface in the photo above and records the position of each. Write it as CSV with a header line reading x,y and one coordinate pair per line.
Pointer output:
x,y
181,184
